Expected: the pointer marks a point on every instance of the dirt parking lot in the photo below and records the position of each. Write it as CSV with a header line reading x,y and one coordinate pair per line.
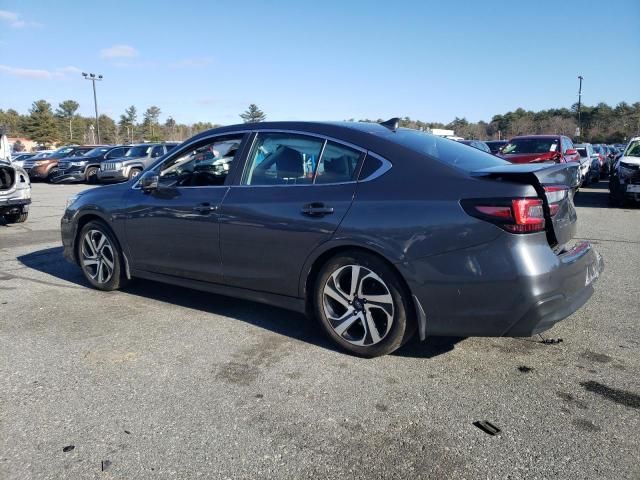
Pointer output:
x,y
163,382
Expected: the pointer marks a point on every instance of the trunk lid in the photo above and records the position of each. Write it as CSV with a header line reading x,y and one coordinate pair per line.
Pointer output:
x,y
561,226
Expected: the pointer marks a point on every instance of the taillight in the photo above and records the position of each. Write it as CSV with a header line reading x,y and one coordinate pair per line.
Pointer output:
x,y
555,195
518,215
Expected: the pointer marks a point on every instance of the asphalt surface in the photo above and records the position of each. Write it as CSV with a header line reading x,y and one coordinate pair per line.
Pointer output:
x,y
163,382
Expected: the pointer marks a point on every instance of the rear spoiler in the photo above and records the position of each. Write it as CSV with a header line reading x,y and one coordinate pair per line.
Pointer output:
x,y
545,173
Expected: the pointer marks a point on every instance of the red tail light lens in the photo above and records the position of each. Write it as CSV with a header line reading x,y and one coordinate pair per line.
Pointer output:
x,y
519,215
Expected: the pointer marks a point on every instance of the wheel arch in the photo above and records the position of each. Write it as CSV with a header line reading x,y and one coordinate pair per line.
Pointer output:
x,y
318,258
85,218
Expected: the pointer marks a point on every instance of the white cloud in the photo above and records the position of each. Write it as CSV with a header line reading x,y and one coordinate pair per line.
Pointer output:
x,y
14,20
119,51
195,62
38,73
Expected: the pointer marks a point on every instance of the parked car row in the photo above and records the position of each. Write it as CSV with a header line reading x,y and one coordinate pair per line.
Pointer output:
x,y
92,163
596,160
624,181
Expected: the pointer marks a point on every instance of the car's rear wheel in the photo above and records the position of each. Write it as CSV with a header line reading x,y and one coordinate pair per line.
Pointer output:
x,y
362,304
100,257
134,172
92,175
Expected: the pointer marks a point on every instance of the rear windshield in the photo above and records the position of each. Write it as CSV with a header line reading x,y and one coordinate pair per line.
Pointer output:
x,y
531,145
445,150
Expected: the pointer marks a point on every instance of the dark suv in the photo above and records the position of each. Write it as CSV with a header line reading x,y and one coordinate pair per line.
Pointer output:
x,y
137,158
85,168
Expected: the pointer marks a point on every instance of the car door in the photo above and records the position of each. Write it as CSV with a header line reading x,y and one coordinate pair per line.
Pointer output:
x,y
293,194
174,229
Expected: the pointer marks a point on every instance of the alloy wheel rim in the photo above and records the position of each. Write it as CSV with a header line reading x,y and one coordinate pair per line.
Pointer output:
x,y
98,257
358,305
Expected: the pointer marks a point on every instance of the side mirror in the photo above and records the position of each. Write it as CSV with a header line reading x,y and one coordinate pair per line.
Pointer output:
x,y
571,151
149,183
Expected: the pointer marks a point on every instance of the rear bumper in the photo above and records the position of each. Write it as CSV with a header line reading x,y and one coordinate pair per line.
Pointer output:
x,y
515,286
12,206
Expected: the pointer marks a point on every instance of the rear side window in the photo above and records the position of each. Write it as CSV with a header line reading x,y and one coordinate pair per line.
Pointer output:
x,y
337,164
445,150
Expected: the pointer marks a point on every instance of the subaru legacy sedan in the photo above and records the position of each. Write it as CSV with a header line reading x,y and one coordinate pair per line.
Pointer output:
x,y
376,231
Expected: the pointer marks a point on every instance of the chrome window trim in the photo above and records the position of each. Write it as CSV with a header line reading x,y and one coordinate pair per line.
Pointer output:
x,y
386,164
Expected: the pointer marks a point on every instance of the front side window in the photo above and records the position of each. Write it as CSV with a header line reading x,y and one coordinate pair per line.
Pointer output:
x,y
157,151
205,164
283,159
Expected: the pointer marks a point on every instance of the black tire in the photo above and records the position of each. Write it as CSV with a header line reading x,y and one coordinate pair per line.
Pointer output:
x,y
91,175
16,217
117,279
403,324
134,172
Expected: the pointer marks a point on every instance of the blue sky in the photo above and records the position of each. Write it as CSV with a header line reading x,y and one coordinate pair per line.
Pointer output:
x,y
329,60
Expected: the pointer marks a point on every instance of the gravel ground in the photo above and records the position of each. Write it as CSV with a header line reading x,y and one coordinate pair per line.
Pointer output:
x,y
163,382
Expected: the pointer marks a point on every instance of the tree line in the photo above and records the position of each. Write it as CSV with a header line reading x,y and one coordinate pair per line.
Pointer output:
x,y
46,126
600,124
64,125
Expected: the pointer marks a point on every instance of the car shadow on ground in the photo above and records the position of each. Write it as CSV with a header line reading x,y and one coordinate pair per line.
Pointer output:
x,y
284,322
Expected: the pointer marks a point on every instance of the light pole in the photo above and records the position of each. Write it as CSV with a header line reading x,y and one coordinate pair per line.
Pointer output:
x,y
93,77
579,105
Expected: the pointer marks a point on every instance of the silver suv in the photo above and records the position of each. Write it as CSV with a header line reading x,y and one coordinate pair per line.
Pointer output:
x,y
137,158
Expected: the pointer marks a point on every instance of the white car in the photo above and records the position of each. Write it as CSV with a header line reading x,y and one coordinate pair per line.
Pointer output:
x,y
624,181
15,193
589,163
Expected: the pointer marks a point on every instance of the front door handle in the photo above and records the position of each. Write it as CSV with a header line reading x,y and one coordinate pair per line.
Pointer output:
x,y
316,210
205,208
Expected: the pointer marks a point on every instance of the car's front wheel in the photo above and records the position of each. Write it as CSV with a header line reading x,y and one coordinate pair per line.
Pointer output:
x,y
92,175
134,172
100,257
362,304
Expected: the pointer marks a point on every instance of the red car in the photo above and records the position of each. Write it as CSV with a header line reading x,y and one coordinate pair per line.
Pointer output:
x,y
540,148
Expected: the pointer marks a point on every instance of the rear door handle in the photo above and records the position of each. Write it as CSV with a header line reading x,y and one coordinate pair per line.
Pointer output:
x,y
205,208
316,210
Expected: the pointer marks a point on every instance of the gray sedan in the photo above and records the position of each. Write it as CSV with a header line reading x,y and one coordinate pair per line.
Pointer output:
x,y
378,232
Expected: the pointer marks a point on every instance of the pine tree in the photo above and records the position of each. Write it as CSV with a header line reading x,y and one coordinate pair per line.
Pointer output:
x,y
66,111
41,124
253,114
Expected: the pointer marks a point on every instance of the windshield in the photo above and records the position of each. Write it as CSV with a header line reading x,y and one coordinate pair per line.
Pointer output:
x,y
95,152
61,152
531,145
138,151
445,150
633,150
42,155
